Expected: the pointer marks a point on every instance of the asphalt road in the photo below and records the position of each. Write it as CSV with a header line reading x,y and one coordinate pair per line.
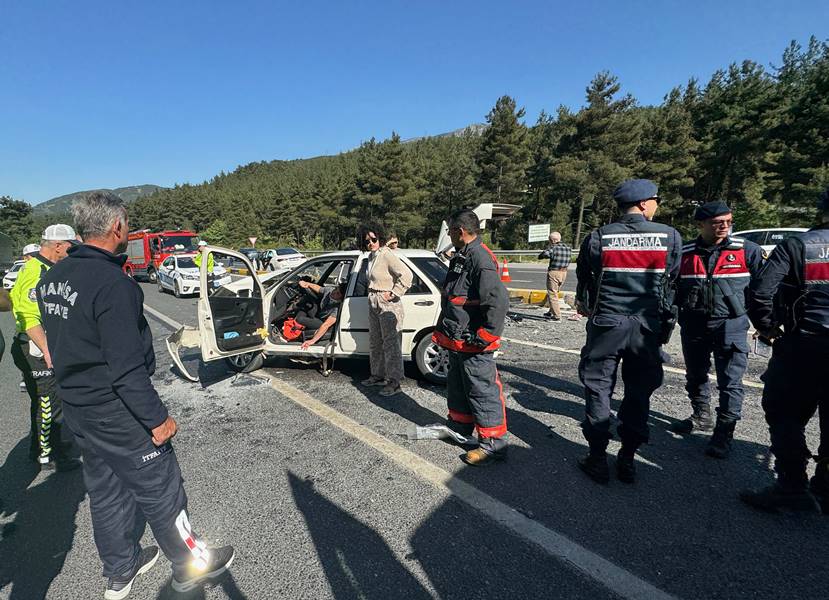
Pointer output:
x,y
534,277
315,483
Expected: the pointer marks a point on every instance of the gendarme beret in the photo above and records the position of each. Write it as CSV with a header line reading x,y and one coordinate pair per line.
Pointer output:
x,y
712,209
634,190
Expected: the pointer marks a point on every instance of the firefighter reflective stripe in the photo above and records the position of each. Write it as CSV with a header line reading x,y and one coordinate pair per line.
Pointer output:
x,y
461,417
634,252
45,427
197,547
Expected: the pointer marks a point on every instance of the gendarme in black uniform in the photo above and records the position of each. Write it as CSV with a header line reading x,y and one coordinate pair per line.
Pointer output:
x,y
713,286
792,292
103,350
626,273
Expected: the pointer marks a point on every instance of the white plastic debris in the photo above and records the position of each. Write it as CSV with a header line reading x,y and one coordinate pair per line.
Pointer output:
x,y
437,432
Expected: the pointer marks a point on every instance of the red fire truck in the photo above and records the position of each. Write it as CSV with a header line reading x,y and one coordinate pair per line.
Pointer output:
x,y
146,250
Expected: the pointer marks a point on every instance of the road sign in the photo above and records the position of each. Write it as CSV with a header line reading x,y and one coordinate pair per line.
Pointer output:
x,y
253,239
539,233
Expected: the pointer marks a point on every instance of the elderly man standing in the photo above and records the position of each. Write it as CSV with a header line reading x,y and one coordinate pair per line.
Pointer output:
x,y
31,354
94,319
559,255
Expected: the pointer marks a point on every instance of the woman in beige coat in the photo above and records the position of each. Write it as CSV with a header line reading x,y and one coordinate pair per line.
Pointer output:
x,y
388,280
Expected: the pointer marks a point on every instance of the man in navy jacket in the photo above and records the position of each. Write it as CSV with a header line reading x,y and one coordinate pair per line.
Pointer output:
x,y
103,360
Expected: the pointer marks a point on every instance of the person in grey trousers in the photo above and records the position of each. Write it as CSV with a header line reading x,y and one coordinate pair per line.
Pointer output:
x,y
388,280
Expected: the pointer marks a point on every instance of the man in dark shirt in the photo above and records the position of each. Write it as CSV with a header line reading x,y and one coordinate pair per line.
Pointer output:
x,y
559,255
789,306
103,360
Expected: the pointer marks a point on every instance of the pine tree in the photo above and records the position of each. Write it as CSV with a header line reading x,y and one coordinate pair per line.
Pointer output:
x,y
504,154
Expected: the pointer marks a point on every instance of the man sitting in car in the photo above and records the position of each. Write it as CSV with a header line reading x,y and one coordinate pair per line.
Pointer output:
x,y
320,318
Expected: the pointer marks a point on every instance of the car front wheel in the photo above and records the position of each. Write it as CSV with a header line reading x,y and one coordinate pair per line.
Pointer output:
x,y
152,276
432,361
160,286
245,363
177,288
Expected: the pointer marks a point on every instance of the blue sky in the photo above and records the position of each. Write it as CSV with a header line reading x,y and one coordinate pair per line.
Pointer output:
x,y
109,94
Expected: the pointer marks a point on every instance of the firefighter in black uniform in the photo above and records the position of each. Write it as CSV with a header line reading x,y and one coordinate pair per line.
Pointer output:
x,y
474,305
103,360
626,276
713,283
792,293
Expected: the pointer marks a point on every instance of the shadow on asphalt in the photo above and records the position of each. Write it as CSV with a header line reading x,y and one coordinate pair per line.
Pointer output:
x,y
225,581
683,505
357,561
34,545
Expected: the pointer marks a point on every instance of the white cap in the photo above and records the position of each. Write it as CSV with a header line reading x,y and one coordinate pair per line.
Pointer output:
x,y
59,233
30,249
202,243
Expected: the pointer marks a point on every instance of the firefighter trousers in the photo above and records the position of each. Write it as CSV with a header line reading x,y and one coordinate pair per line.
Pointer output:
x,y
45,410
130,482
475,397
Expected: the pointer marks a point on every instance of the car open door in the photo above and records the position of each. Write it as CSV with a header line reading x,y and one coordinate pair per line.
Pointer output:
x,y
486,212
231,311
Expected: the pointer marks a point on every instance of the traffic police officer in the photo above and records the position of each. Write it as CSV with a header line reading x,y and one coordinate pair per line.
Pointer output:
x,y
474,305
104,358
626,275
31,354
713,283
198,258
792,292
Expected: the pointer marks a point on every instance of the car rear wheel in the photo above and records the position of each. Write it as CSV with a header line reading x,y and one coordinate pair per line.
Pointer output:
x,y
432,361
245,363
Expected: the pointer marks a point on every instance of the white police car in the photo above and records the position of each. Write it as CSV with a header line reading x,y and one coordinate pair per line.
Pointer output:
x,y
180,275
11,275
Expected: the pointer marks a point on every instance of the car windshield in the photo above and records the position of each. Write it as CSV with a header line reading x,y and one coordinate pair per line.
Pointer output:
x,y
16,267
284,251
186,263
178,242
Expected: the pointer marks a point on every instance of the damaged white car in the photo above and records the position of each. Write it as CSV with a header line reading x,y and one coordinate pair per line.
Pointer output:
x,y
243,321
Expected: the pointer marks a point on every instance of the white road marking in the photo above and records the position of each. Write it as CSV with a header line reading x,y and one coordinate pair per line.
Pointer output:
x,y
617,579
163,318
746,382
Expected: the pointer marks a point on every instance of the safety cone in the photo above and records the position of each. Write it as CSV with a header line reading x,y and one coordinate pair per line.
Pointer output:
x,y
505,273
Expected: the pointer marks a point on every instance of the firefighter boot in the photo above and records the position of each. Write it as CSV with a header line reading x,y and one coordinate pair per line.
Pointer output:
x,y
719,446
790,494
819,485
700,420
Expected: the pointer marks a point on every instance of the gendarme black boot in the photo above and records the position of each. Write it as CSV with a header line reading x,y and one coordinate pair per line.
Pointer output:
x,y
819,485
719,446
700,420
595,466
